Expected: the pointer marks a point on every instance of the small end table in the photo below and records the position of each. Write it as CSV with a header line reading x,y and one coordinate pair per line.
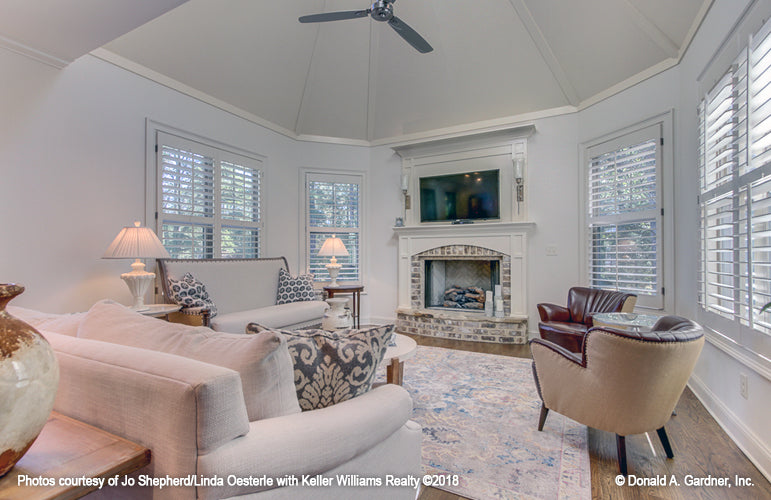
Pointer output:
x,y
635,322
394,357
355,290
69,448
160,310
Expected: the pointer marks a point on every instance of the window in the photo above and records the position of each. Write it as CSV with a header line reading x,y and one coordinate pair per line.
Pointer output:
x,y
209,200
735,198
333,207
624,215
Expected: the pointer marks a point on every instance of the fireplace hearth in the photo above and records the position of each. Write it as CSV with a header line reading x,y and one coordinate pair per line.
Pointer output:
x,y
447,292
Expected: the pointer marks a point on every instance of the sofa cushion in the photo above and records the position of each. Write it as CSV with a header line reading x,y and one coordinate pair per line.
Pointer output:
x,y
191,294
330,367
65,324
278,316
294,288
262,361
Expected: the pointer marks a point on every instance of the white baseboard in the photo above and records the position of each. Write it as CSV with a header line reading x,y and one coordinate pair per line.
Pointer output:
x,y
752,446
378,320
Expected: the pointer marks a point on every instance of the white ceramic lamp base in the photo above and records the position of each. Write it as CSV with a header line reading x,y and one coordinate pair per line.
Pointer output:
x,y
138,281
333,270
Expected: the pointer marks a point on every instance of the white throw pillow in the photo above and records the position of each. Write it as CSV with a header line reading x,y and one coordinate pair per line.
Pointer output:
x,y
263,361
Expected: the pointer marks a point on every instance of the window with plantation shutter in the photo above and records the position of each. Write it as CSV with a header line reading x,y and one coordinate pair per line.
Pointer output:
x,y
623,217
333,207
209,200
735,198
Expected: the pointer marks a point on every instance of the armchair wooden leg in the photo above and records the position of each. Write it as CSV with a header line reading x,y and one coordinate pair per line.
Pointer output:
x,y
621,446
542,418
665,442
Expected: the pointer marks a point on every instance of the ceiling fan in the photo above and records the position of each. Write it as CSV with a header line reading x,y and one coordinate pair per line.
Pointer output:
x,y
383,11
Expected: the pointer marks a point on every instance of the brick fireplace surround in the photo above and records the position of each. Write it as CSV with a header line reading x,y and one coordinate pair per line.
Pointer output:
x,y
505,242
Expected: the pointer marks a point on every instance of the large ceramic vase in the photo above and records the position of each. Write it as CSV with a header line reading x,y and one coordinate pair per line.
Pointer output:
x,y
29,376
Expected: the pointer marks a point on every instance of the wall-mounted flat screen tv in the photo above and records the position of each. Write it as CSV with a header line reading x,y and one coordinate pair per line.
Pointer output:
x,y
466,196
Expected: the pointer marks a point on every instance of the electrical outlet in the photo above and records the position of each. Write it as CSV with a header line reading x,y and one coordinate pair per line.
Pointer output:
x,y
743,389
551,250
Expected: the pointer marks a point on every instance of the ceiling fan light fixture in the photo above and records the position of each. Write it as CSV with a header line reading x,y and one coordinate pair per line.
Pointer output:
x,y
381,11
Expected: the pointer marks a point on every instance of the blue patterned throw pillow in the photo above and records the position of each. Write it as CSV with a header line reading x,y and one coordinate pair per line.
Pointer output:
x,y
331,367
191,294
294,288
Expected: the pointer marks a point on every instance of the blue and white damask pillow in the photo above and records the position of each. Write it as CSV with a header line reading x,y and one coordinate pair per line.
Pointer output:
x,y
332,367
191,294
294,288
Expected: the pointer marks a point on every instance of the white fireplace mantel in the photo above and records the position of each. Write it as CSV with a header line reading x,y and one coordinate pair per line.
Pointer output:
x,y
462,229
508,238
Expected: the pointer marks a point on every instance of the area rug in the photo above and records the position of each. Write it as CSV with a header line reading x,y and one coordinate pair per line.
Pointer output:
x,y
479,414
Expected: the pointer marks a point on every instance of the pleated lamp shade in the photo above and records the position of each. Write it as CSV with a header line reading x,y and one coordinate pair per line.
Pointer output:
x,y
135,242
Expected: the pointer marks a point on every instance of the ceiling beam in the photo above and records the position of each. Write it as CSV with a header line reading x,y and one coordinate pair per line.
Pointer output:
x,y
306,88
374,44
545,49
650,28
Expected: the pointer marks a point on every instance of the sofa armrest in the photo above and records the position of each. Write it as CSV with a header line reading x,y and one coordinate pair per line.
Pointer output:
x,y
311,442
177,407
553,312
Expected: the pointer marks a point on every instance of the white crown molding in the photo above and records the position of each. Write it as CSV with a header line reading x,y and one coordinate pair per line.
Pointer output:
x,y
37,55
480,127
143,71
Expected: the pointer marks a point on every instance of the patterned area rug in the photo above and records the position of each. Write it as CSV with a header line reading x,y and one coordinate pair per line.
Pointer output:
x,y
479,414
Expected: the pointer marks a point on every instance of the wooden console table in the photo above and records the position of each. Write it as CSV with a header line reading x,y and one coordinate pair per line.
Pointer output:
x,y
68,448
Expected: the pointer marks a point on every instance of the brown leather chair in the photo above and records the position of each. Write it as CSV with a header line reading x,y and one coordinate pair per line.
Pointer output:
x,y
567,326
622,382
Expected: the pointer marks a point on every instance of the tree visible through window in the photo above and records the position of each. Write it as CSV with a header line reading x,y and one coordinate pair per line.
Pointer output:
x,y
334,207
209,200
623,216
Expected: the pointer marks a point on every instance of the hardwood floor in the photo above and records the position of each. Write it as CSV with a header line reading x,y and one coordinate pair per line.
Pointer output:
x,y
701,448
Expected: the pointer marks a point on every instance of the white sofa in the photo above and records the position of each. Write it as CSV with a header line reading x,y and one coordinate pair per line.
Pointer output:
x,y
192,415
244,291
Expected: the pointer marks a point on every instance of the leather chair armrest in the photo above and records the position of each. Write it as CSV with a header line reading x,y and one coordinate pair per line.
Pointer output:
x,y
553,312
571,356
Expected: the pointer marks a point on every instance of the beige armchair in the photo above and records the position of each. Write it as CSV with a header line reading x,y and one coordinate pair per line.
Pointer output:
x,y
622,382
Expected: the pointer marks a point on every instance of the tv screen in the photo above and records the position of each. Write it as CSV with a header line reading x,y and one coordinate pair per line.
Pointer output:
x,y
466,196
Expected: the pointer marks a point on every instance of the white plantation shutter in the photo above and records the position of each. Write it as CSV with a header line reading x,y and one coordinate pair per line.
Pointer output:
x,y
333,204
623,216
735,198
209,200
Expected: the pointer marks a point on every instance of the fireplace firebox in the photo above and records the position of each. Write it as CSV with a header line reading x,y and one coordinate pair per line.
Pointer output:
x,y
459,283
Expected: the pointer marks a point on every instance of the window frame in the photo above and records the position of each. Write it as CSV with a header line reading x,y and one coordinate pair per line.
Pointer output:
x,y
155,134
306,176
746,172
661,127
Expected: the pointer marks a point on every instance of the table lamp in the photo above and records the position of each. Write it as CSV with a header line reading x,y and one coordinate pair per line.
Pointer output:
x,y
135,242
333,247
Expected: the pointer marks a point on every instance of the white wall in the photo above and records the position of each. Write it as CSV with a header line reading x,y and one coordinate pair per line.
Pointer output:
x,y
72,173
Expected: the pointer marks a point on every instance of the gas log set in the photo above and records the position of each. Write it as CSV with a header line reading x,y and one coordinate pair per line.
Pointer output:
x,y
464,298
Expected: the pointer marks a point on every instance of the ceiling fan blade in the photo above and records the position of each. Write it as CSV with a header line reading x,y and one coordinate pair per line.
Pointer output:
x,y
410,35
334,16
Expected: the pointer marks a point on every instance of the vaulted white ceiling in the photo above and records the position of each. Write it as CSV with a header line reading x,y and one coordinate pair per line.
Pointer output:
x,y
494,61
